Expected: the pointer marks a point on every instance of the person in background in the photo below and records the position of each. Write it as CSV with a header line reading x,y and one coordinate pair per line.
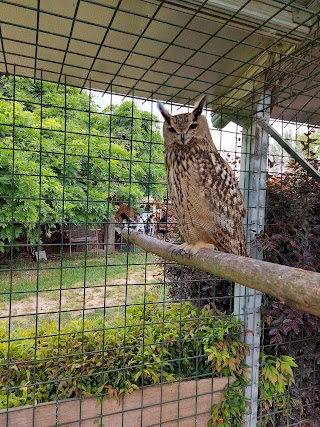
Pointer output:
x,y
162,227
125,220
150,225
139,224
117,230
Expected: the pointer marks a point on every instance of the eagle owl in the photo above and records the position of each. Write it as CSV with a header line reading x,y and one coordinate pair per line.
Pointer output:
x,y
203,189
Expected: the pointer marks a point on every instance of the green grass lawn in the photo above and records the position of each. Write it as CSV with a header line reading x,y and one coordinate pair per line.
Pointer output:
x,y
76,287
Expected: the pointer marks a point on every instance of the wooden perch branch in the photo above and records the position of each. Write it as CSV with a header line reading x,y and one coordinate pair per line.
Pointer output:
x,y
293,286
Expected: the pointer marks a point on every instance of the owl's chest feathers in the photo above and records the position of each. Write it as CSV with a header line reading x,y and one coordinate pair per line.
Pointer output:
x,y
178,172
186,194
186,171
187,167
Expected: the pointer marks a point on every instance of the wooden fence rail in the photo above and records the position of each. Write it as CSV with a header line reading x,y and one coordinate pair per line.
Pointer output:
x,y
293,286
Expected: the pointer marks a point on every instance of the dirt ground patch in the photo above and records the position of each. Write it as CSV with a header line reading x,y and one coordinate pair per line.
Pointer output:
x,y
82,298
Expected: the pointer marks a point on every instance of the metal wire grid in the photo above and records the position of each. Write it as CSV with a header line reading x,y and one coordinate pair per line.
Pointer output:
x,y
85,312
185,89
73,302
304,346
169,52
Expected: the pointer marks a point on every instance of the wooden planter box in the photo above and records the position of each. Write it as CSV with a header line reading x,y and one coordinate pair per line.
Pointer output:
x,y
183,404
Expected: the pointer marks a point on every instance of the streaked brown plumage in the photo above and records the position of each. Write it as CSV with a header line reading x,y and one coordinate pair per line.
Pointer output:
x,y
202,187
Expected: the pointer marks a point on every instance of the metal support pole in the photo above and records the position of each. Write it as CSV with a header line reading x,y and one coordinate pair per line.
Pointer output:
x,y
253,182
291,151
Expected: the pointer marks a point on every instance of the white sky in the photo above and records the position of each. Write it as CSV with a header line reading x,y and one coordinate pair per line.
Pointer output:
x,y
227,139
224,140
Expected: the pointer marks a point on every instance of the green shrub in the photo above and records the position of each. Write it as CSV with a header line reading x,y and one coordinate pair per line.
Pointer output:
x,y
233,406
156,343
276,377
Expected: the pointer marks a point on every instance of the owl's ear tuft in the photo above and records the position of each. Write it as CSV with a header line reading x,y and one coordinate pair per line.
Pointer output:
x,y
165,113
199,106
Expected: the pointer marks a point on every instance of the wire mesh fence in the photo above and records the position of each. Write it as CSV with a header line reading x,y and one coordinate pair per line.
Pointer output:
x,y
85,313
94,331
291,238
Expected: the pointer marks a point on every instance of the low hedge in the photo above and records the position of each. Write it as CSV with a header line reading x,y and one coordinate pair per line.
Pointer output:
x,y
156,343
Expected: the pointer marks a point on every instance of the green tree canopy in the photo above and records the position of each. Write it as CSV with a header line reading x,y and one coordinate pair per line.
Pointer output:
x,y
62,159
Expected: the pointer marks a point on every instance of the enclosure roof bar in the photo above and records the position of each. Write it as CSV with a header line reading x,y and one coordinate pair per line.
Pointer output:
x,y
293,153
292,286
255,12
260,26
260,11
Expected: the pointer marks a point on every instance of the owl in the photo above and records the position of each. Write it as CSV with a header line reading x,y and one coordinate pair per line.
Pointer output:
x,y
203,189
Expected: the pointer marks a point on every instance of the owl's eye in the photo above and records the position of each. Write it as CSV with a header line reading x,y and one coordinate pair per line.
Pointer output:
x,y
193,125
172,130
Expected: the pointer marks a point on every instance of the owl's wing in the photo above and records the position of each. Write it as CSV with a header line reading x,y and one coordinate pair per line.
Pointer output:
x,y
221,208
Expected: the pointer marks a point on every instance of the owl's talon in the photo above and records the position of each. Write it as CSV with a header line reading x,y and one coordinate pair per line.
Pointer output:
x,y
181,250
178,251
190,250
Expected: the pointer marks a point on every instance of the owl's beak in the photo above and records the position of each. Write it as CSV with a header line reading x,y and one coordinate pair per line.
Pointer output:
x,y
182,137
